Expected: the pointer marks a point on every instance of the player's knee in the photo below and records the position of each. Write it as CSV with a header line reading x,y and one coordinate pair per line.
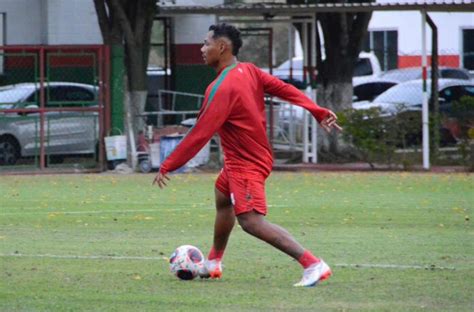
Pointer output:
x,y
248,224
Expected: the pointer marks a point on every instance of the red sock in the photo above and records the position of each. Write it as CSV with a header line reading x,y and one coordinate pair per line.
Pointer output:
x,y
215,254
307,259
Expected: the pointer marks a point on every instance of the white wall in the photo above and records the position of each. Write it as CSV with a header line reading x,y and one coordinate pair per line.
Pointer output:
x,y
23,21
72,22
408,24
191,29
50,22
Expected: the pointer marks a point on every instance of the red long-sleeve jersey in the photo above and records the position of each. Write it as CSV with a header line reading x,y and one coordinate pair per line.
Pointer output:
x,y
234,108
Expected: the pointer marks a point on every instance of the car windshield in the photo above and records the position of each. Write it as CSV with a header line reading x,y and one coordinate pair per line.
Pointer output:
x,y
363,67
297,64
402,75
407,94
13,94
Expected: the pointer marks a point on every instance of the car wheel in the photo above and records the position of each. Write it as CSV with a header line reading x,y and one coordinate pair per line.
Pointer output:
x,y
9,151
145,166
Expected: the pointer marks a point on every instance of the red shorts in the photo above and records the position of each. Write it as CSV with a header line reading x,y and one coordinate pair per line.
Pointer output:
x,y
246,191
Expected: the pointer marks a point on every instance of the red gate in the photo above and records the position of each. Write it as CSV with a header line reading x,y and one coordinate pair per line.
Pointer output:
x,y
54,108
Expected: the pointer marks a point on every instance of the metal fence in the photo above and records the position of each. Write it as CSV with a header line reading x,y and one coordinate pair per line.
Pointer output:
x,y
52,108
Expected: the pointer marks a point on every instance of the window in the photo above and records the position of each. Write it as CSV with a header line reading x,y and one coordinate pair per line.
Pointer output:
x,y
454,93
384,43
454,73
469,90
2,39
363,67
468,48
157,56
369,91
61,95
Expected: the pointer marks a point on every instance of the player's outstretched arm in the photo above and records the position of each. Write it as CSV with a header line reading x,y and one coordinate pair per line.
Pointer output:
x,y
292,95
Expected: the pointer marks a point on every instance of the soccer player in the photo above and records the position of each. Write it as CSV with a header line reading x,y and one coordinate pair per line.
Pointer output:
x,y
234,108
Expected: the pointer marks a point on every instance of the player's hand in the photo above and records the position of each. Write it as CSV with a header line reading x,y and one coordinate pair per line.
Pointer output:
x,y
330,122
160,179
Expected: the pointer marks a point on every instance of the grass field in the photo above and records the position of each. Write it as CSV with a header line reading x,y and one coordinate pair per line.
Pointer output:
x,y
100,243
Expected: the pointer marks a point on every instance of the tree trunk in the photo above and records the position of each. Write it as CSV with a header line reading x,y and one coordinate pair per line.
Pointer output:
x,y
130,22
343,34
134,123
337,95
137,107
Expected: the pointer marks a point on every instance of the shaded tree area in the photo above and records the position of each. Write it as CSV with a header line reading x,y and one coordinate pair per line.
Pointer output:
x,y
339,41
129,23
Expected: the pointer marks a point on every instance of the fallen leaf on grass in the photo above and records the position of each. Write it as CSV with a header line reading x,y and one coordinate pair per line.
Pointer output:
x,y
136,277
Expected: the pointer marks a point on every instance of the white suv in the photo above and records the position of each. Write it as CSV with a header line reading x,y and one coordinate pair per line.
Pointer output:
x,y
366,68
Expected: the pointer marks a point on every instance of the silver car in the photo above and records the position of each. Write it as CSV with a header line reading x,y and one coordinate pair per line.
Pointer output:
x,y
408,96
65,133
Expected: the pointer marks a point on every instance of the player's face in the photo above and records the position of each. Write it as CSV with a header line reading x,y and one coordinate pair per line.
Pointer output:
x,y
211,50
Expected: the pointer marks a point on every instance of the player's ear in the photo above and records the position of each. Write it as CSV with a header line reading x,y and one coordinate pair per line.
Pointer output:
x,y
222,46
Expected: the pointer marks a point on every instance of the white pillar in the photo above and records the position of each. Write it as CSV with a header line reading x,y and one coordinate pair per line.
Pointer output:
x,y
310,152
314,125
424,114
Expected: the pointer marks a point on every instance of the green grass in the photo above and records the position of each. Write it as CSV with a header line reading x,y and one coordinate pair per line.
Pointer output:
x,y
376,219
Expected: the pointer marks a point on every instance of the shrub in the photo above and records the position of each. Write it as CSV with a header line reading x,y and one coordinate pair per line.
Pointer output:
x,y
376,137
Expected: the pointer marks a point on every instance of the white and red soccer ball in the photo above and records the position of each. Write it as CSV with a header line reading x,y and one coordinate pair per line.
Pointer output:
x,y
186,262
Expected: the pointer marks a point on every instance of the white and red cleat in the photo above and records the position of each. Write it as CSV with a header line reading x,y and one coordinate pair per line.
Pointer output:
x,y
211,269
314,274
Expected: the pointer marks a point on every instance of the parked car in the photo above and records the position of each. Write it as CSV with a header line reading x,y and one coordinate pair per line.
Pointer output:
x,y
370,89
367,67
407,97
412,73
66,133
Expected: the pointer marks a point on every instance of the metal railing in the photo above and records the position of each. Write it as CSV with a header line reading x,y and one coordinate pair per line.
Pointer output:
x,y
168,106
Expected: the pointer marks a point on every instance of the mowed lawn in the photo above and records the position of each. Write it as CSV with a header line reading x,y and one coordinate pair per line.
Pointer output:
x,y
395,241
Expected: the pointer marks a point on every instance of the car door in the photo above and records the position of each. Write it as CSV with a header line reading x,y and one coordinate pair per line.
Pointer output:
x,y
449,95
26,126
70,132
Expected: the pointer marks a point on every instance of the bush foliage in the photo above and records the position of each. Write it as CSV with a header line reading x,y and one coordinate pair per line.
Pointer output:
x,y
375,138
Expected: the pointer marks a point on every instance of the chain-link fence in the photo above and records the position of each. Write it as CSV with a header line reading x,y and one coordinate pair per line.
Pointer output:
x,y
51,108
390,105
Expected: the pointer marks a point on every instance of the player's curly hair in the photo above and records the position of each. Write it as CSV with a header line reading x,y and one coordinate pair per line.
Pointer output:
x,y
228,31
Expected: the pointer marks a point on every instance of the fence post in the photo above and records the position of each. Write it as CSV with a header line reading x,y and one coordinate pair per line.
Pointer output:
x,y
116,87
42,65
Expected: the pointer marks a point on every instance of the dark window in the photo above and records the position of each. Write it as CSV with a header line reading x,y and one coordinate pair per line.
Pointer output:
x,y
392,50
468,48
469,90
384,44
159,56
78,94
60,95
451,94
34,98
363,67
368,91
454,73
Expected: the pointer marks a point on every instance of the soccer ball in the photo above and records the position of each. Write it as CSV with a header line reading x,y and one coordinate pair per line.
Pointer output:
x,y
186,261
